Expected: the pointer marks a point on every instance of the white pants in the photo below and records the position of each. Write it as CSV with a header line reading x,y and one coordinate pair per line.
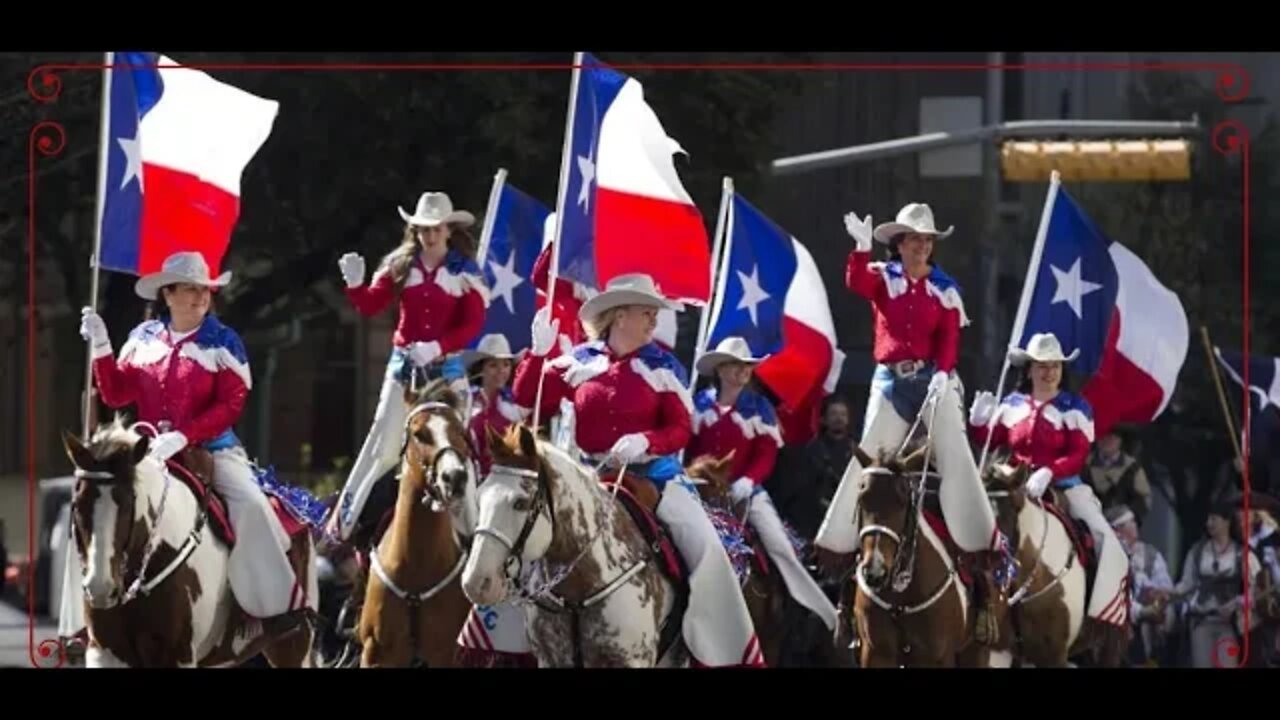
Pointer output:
x,y
963,498
763,517
379,454
261,577
1107,603
717,626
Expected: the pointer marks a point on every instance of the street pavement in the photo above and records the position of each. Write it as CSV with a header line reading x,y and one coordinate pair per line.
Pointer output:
x,y
15,636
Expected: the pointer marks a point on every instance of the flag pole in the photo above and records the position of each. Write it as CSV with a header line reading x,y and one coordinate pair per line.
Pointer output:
x,y
717,245
490,214
566,154
1222,393
1024,304
104,139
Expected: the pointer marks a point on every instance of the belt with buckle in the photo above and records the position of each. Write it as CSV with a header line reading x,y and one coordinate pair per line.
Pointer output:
x,y
907,367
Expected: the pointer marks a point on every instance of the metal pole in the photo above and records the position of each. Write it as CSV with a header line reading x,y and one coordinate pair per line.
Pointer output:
x,y
795,164
717,246
565,157
104,148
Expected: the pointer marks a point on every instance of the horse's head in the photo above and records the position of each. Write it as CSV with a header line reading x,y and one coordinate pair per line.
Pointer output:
x,y
517,516
714,474
885,509
437,460
1007,490
107,519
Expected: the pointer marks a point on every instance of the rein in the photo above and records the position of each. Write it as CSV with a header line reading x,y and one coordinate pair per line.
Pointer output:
x,y
543,595
141,586
1020,595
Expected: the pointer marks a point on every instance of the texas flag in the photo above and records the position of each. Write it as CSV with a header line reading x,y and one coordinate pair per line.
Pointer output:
x,y
1098,297
177,143
769,293
1263,383
513,229
625,209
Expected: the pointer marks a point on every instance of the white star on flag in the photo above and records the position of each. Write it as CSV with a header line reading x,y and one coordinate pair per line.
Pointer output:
x,y
752,293
1071,287
132,161
588,170
505,281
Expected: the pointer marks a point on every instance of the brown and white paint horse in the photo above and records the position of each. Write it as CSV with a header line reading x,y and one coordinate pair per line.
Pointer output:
x,y
1047,622
765,593
927,620
127,510
414,605
606,602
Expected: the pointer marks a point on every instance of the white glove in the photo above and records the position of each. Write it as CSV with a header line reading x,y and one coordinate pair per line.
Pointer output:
x,y
630,447
938,383
166,445
983,408
544,331
1039,482
352,267
94,331
741,489
859,230
422,353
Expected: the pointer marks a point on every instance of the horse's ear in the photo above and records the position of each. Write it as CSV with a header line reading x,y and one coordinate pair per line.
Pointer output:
x,y
76,450
140,448
863,458
528,443
724,462
494,440
915,461
410,395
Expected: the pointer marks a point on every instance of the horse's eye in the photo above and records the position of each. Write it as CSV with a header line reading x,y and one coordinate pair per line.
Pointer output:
x,y
522,504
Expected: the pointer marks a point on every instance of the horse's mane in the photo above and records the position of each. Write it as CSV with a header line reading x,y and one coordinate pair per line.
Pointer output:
x,y
112,438
438,390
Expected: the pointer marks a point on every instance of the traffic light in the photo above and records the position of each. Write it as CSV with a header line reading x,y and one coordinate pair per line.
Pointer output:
x,y
1096,160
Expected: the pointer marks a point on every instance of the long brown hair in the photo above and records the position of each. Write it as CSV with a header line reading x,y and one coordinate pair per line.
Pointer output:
x,y
397,261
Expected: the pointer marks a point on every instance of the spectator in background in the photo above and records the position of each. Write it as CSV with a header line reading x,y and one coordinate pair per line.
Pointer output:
x,y
1212,584
805,480
4,561
1117,477
1148,610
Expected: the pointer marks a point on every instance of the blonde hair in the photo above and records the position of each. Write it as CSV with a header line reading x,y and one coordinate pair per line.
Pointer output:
x,y
397,261
597,328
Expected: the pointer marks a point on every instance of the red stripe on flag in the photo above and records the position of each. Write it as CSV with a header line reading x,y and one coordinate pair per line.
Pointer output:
x,y
1120,391
667,240
181,212
800,367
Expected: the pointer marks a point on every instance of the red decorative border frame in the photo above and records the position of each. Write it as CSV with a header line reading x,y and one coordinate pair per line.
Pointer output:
x,y
48,139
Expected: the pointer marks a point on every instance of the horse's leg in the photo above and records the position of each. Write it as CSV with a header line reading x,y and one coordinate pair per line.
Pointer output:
x,y
383,628
96,656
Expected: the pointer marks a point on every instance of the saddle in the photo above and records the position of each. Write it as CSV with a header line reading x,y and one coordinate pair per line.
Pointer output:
x,y
644,514
1081,538
193,466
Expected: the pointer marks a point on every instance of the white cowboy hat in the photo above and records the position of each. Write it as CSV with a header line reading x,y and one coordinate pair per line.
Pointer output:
x,y
493,346
913,218
435,208
731,349
182,267
631,289
1042,347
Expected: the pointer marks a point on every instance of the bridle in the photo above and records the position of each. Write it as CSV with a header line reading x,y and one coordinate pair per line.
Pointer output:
x,y
140,586
542,500
433,499
1020,595
905,544
544,595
